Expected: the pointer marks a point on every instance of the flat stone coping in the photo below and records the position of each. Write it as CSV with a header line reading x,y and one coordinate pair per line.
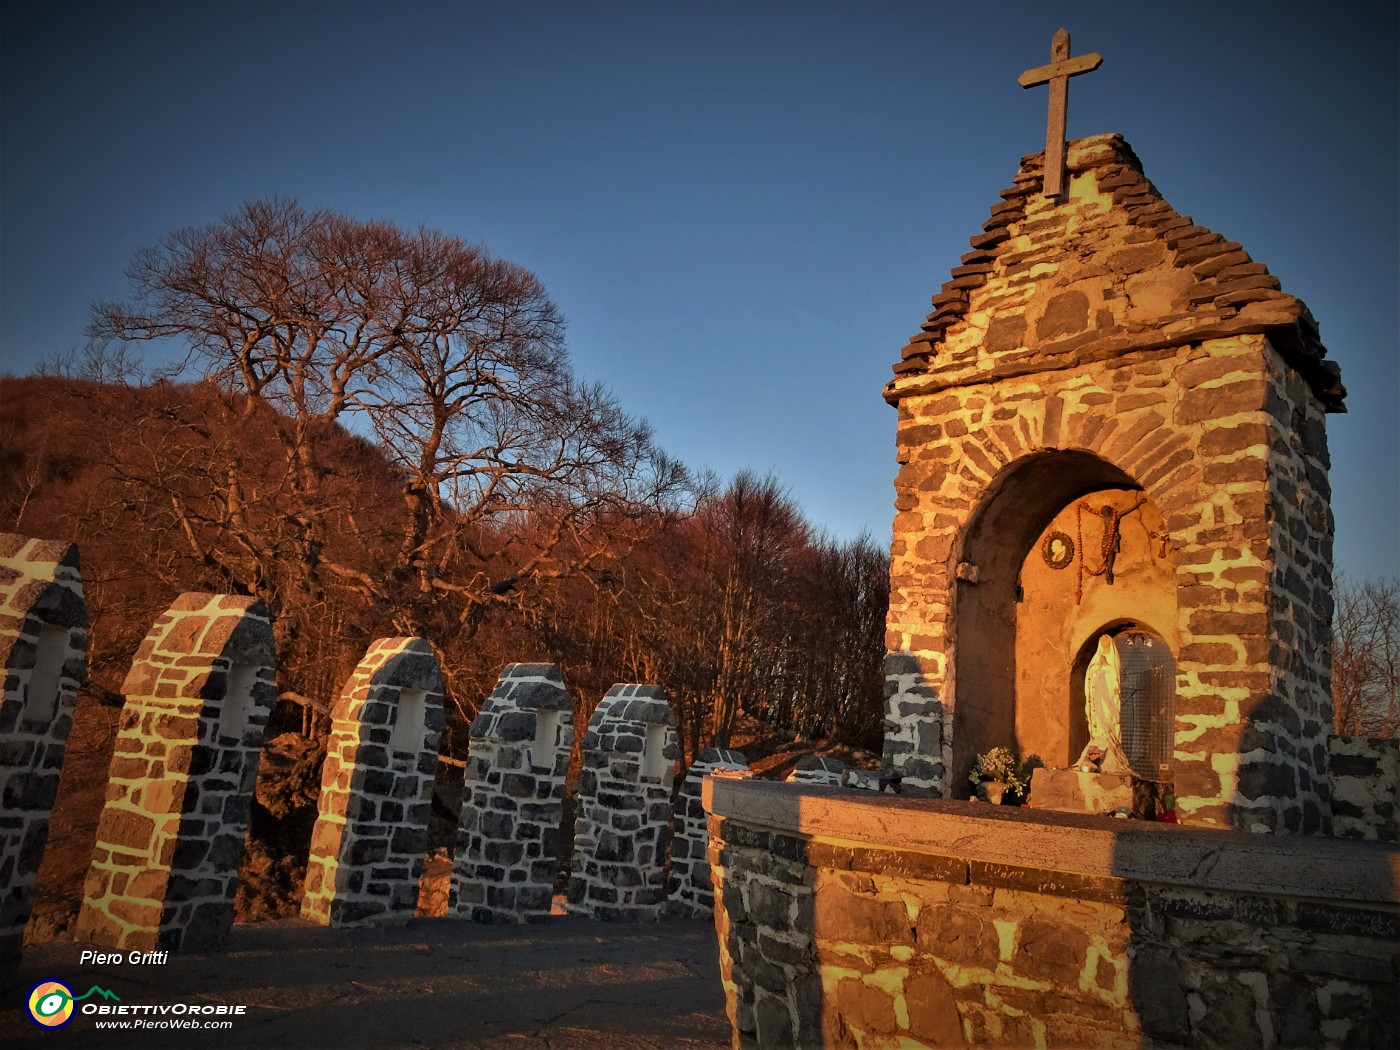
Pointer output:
x,y
1366,873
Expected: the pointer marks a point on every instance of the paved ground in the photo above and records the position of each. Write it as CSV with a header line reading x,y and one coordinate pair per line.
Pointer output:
x,y
567,983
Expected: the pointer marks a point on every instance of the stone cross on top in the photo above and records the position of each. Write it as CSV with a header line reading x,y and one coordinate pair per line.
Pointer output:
x,y
1057,75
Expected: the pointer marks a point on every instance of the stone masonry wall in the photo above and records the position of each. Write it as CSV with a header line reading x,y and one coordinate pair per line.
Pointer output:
x,y
170,839
914,719
947,924
818,770
623,825
1110,331
376,788
688,876
43,642
1281,783
507,856
1364,773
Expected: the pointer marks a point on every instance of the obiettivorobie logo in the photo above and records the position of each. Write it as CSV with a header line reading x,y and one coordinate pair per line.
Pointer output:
x,y
51,1002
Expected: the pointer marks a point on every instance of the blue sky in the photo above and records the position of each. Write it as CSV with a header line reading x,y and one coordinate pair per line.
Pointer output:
x,y
741,208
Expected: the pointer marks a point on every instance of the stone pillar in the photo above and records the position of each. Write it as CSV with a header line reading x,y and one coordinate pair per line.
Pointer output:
x,y
818,771
1365,784
507,854
688,880
865,780
914,750
43,639
170,840
376,788
624,807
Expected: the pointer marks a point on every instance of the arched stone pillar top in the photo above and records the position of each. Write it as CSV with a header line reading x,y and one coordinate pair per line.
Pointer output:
x,y
720,757
818,769
393,663
632,703
40,580
227,629
409,663
522,690
534,672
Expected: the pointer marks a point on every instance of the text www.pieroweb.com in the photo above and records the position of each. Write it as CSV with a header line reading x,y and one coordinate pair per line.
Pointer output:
x,y
149,1017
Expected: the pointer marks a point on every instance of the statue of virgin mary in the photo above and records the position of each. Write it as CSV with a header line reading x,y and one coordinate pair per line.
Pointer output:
x,y
1103,709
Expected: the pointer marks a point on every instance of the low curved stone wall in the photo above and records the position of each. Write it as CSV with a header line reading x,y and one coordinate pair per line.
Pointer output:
x,y
847,919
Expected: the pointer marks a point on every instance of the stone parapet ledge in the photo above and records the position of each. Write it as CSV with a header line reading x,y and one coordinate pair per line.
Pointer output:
x,y
1081,847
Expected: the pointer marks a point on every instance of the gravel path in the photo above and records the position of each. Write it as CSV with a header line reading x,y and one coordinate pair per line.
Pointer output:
x,y
566,983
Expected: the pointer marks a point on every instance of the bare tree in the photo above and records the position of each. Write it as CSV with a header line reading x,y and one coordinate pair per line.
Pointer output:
x,y
1366,659
510,469
748,536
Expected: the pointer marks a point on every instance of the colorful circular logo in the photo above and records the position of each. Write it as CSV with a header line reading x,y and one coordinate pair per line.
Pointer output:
x,y
51,1004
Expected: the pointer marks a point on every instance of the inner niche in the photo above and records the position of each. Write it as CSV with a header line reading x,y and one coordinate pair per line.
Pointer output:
x,y
236,711
1101,561
546,740
1146,691
45,680
1064,548
407,734
654,752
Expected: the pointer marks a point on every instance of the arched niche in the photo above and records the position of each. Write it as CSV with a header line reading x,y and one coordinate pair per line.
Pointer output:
x,y
1022,611
1147,696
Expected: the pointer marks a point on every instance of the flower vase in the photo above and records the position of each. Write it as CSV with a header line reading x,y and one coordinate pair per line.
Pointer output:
x,y
992,791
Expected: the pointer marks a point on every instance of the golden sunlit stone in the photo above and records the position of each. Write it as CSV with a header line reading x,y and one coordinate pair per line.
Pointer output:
x,y
371,831
1100,354
170,840
43,641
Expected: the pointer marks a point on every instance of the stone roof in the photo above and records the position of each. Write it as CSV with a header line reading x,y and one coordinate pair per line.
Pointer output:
x,y
1111,270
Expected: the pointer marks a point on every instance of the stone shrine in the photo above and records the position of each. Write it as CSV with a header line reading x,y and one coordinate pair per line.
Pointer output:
x,y
43,640
376,788
170,839
624,807
1112,422
507,854
1112,550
